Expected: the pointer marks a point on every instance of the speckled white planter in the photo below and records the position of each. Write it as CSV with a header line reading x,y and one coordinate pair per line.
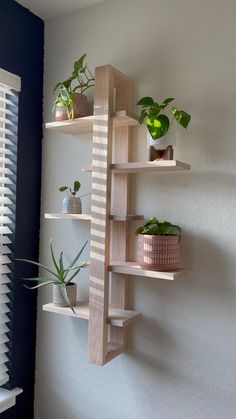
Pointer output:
x,y
161,143
71,205
58,297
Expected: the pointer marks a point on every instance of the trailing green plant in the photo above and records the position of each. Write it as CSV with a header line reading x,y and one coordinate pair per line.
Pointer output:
x,y
71,191
79,81
158,123
157,228
61,275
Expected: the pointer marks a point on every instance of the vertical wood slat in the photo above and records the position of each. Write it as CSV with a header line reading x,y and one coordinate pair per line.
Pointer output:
x,y
121,205
100,210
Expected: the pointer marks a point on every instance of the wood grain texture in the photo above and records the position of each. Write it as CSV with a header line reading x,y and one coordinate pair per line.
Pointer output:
x,y
100,210
133,268
116,317
121,201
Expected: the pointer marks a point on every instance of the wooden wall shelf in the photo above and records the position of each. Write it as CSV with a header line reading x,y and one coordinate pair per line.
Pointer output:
x,y
146,167
85,124
116,317
133,268
108,311
88,217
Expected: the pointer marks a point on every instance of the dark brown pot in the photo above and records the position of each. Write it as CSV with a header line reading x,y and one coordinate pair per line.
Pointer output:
x,y
80,105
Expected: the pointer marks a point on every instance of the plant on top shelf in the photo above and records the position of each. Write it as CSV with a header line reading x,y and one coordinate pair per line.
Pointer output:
x,y
71,102
72,204
158,122
64,290
158,245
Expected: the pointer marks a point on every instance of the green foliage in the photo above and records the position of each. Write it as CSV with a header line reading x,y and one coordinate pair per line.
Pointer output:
x,y
154,227
158,123
82,79
73,191
60,275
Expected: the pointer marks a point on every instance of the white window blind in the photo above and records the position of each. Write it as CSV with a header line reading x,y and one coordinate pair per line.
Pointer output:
x,y
9,88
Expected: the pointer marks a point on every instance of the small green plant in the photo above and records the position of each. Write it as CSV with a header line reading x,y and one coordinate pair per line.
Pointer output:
x,y
158,123
79,81
71,191
154,227
58,276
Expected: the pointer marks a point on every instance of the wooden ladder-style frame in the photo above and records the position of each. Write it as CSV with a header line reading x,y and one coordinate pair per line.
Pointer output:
x,y
110,195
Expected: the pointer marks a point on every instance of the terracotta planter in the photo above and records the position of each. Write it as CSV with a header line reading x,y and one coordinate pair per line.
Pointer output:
x,y
58,297
158,253
80,105
71,205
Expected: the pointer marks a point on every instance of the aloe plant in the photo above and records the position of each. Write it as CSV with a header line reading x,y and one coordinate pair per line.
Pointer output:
x,y
80,80
158,123
157,228
61,275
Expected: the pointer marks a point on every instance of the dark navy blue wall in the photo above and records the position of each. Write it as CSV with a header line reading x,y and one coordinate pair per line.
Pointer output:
x,y
21,53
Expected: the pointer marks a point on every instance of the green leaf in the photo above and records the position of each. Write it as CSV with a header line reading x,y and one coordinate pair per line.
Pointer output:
x,y
143,115
152,220
64,93
78,255
61,265
64,292
79,63
145,101
167,101
39,279
72,277
182,117
53,258
152,229
76,186
40,285
138,230
158,126
155,109
60,83
176,230
63,188
37,264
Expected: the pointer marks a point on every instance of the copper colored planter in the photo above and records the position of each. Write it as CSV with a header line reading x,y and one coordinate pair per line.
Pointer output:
x,y
80,106
158,253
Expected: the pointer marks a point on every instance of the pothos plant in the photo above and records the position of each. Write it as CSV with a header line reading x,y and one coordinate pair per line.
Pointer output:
x,y
158,123
60,275
157,228
80,80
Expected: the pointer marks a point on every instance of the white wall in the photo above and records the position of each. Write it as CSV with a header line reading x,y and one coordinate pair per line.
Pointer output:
x,y
181,364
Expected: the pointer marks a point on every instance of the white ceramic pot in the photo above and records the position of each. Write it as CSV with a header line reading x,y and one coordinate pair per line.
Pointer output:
x,y
58,296
161,143
71,205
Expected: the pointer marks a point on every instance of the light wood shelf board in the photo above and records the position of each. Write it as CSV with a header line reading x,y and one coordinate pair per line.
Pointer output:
x,y
146,167
117,317
87,217
85,124
114,349
128,217
133,268
60,216
151,166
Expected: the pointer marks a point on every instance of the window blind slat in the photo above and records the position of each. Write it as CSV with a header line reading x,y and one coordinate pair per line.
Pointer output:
x,y
8,157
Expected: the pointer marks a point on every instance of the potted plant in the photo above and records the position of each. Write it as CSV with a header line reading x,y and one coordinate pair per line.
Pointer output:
x,y
71,203
158,245
158,125
71,102
64,290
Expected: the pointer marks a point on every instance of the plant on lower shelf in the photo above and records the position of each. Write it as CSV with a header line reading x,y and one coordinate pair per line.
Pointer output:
x,y
64,290
72,204
158,245
71,102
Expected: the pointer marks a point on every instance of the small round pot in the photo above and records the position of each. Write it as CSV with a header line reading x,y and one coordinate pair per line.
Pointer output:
x,y
158,253
71,205
161,143
80,105
58,297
